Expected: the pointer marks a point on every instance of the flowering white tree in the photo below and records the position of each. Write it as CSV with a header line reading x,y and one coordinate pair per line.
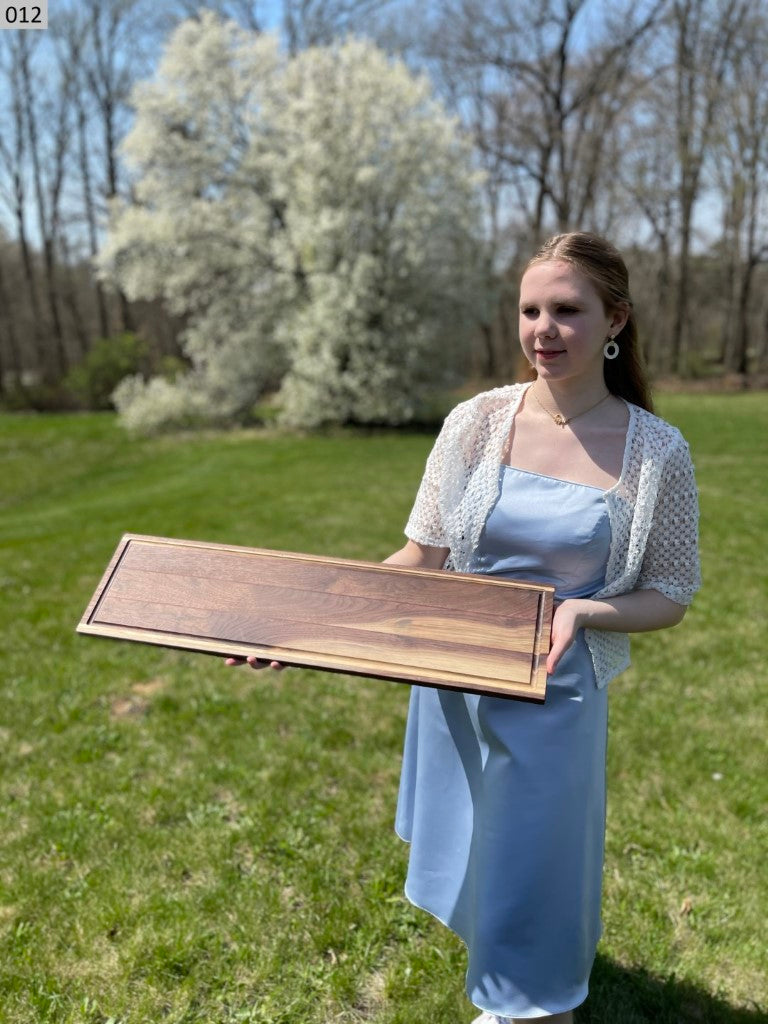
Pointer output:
x,y
313,220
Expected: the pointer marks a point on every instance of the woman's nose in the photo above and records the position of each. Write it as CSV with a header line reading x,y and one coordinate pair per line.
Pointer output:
x,y
545,327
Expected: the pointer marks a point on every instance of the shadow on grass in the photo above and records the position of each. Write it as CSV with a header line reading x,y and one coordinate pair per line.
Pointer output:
x,y
621,995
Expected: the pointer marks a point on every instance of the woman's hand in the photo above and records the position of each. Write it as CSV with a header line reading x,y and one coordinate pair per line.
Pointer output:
x,y
566,622
254,662
637,612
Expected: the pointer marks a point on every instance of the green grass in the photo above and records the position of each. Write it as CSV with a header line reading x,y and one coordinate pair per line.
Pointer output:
x,y
189,843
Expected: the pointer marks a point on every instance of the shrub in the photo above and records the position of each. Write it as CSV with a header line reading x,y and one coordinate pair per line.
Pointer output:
x,y
156,405
105,365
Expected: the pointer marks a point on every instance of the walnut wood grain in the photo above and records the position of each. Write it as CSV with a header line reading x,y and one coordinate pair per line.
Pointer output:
x,y
451,630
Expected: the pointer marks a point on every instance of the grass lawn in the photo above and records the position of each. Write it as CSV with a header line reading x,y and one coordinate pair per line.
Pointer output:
x,y
188,843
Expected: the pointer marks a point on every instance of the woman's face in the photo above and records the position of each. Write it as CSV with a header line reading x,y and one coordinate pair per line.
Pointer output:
x,y
563,323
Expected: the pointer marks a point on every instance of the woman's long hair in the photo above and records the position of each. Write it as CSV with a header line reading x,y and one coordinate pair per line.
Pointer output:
x,y
602,263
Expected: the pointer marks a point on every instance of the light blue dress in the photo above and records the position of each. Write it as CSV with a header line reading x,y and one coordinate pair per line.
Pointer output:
x,y
503,801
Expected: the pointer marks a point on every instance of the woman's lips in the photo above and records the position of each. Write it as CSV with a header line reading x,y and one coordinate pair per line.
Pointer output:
x,y
549,354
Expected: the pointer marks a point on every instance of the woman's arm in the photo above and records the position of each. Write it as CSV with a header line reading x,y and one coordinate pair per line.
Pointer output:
x,y
669,576
419,556
638,612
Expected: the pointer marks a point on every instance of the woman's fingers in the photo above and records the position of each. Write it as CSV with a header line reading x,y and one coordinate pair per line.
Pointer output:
x,y
556,652
254,662
565,624
259,663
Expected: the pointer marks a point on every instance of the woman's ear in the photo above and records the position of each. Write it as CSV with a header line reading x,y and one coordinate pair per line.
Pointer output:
x,y
619,318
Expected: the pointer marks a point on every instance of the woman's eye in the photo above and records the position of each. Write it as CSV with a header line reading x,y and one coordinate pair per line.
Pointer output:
x,y
529,311
568,310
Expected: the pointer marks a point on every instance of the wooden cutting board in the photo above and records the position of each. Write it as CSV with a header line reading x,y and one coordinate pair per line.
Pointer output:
x,y
438,628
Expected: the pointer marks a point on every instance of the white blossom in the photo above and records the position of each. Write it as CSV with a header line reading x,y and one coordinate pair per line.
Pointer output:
x,y
312,219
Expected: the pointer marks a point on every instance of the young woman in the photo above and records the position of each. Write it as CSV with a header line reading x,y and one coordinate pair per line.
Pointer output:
x,y
569,480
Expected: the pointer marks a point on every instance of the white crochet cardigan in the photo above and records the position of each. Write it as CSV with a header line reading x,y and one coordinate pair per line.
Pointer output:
x,y
653,507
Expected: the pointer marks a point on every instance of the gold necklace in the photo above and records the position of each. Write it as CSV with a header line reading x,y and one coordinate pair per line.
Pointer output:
x,y
558,417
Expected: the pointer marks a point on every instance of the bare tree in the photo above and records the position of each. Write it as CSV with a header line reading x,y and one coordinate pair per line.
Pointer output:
x,y
251,14
742,164
303,22
64,106
14,146
113,57
704,33
646,174
73,40
9,339
48,177
319,22
542,88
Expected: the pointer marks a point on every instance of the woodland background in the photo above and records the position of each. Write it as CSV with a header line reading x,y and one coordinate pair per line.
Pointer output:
x,y
647,122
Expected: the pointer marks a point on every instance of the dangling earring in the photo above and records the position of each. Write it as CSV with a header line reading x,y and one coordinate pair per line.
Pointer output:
x,y
611,348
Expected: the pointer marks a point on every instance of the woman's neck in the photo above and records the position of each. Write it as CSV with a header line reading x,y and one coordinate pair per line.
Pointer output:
x,y
567,397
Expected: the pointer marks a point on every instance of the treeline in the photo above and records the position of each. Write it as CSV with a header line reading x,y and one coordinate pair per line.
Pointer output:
x,y
645,122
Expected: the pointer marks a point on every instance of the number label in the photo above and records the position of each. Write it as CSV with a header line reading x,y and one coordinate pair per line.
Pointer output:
x,y
24,16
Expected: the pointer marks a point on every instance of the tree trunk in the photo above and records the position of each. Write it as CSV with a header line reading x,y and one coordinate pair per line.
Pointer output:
x,y
740,356
71,302
45,217
489,367
7,321
651,347
680,320
40,352
90,214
